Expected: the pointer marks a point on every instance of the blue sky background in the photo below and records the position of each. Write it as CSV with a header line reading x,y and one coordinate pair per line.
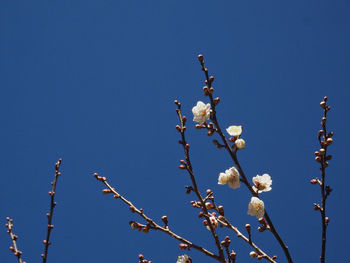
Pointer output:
x,y
93,82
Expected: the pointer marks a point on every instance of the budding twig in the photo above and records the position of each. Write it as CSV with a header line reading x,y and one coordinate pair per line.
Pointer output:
x,y
14,249
233,154
50,214
151,224
324,139
188,167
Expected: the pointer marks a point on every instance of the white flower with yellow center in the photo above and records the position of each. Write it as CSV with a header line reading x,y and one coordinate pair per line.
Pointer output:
x,y
230,177
256,207
262,183
234,130
201,112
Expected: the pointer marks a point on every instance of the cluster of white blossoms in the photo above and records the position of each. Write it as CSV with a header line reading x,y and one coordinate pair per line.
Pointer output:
x,y
262,183
230,177
184,259
236,131
201,112
256,207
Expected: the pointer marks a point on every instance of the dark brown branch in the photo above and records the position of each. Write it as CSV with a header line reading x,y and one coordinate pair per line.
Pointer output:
x,y
150,222
50,214
188,167
209,92
321,156
14,249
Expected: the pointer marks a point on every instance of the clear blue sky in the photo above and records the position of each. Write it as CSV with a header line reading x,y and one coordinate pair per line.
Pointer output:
x,y
93,82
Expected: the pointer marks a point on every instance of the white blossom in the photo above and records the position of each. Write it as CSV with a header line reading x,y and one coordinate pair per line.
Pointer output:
x,y
256,207
262,183
240,143
234,130
213,221
230,177
201,112
184,259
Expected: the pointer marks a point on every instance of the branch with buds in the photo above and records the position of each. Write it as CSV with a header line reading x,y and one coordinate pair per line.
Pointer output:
x,y
234,131
14,237
150,223
325,139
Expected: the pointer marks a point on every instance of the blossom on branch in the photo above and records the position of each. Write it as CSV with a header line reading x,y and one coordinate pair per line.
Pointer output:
x,y
262,183
201,112
234,130
213,222
184,259
256,207
230,177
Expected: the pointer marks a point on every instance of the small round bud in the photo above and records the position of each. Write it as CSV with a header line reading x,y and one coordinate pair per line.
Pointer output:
x,y
106,191
248,227
165,220
221,210
182,167
200,58
313,181
326,220
322,151
233,255
240,143
209,205
329,141
253,254
323,104
325,98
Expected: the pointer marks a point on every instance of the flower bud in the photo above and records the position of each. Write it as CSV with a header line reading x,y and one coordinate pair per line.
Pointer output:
x,y
248,227
221,210
240,143
209,205
323,104
253,254
200,58
329,141
313,181
165,220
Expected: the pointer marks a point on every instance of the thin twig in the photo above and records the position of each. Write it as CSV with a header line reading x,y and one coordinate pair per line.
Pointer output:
x,y
325,139
213,102
50,214
188,167
150,222
14,249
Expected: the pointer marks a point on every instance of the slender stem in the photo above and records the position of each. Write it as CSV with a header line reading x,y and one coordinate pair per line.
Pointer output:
x,y
235,160
324,140
14,249
50,214
152,224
